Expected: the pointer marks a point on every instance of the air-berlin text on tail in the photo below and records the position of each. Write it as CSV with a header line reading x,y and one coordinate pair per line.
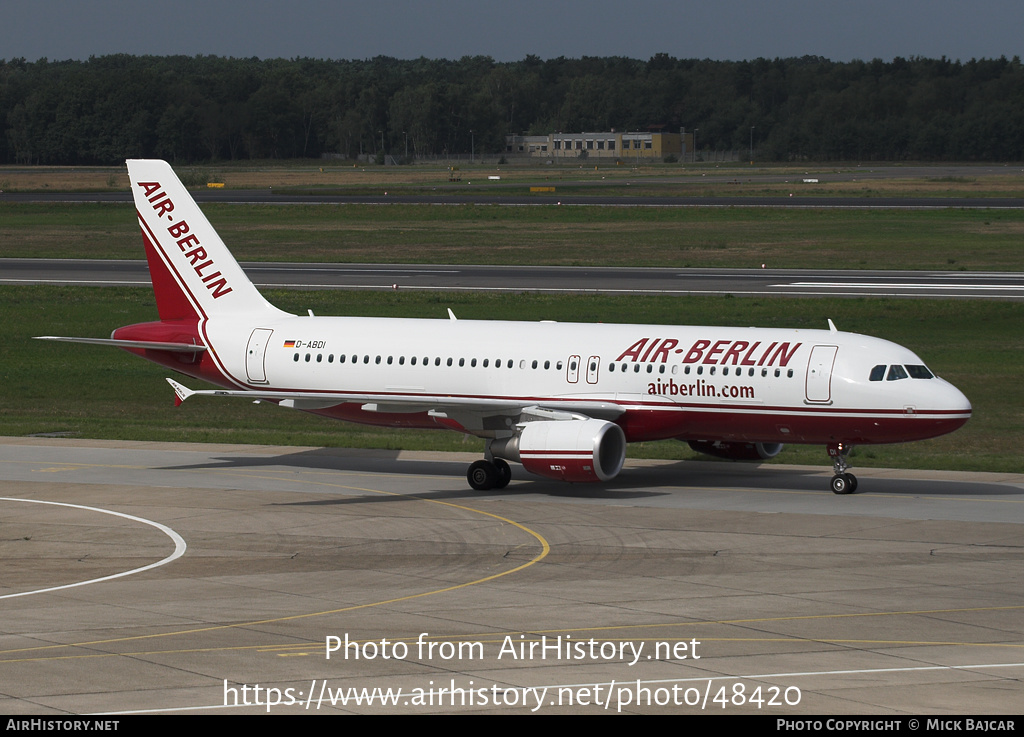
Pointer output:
x,y
717,352
188,242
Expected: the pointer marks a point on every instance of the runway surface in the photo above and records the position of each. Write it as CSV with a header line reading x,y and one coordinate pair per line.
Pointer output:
x,y
902,599
492,197
553,279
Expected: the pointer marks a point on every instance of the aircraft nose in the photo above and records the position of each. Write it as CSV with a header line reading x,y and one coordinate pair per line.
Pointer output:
x,y
955,406
957,401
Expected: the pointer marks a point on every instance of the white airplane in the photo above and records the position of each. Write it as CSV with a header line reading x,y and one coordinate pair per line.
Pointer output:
x,y
562,399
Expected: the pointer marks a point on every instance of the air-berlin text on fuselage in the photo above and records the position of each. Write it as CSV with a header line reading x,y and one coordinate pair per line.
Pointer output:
x,y
189,244
718,352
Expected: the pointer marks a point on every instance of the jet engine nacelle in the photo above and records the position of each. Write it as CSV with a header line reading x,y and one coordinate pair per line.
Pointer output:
x,y
568,450
732,451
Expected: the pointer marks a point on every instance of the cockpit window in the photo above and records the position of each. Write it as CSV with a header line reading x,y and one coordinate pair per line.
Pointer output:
x,y
896,372
878,373
919,372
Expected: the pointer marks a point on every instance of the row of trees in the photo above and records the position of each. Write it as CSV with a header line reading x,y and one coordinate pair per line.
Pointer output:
x,y
186,109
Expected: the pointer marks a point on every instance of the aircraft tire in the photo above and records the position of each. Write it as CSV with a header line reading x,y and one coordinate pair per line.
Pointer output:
x,y
841,483
482,475
504,473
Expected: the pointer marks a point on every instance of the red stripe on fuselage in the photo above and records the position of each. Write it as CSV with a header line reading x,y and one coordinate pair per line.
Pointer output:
x,y
685,423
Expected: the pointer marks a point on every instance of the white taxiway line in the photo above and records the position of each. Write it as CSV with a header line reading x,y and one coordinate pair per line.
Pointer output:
x,y
179,545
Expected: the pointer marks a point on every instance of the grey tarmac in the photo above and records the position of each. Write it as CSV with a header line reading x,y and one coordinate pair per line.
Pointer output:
x,y
902,599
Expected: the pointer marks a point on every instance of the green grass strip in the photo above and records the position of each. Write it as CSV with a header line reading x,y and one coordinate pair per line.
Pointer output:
x,y
942,239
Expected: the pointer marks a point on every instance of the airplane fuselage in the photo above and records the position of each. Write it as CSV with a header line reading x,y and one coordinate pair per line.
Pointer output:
x,y
694,383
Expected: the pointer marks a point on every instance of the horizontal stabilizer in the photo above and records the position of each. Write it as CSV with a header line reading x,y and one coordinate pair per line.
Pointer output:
x,y
146,344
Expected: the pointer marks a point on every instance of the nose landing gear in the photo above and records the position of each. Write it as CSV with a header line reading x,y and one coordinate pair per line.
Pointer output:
x,y
843,482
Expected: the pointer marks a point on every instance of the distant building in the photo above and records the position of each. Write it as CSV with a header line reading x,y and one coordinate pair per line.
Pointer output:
x,y
609,145
528,145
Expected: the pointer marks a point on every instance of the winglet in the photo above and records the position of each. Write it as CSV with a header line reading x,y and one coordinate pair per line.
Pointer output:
x,y
832,326
181,393
451,315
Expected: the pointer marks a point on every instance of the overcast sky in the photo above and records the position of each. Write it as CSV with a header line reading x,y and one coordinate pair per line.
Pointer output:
x,y
507,31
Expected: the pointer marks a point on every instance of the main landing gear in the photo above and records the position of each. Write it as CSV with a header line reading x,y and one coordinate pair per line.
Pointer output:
x,y
493,474
843,482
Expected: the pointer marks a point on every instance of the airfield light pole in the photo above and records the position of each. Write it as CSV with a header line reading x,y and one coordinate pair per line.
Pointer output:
x,y
406,134
752,143
472,147
695,144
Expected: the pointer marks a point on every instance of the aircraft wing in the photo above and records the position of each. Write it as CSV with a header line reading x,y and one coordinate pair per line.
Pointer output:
x,y
483,406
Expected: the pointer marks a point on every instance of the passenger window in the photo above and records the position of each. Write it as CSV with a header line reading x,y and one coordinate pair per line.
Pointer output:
x,y
725,371
307,358
877,373
401,360
486,362
896,372
378,360
330,358
449,361
296,357
462,361
473,363
390,359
